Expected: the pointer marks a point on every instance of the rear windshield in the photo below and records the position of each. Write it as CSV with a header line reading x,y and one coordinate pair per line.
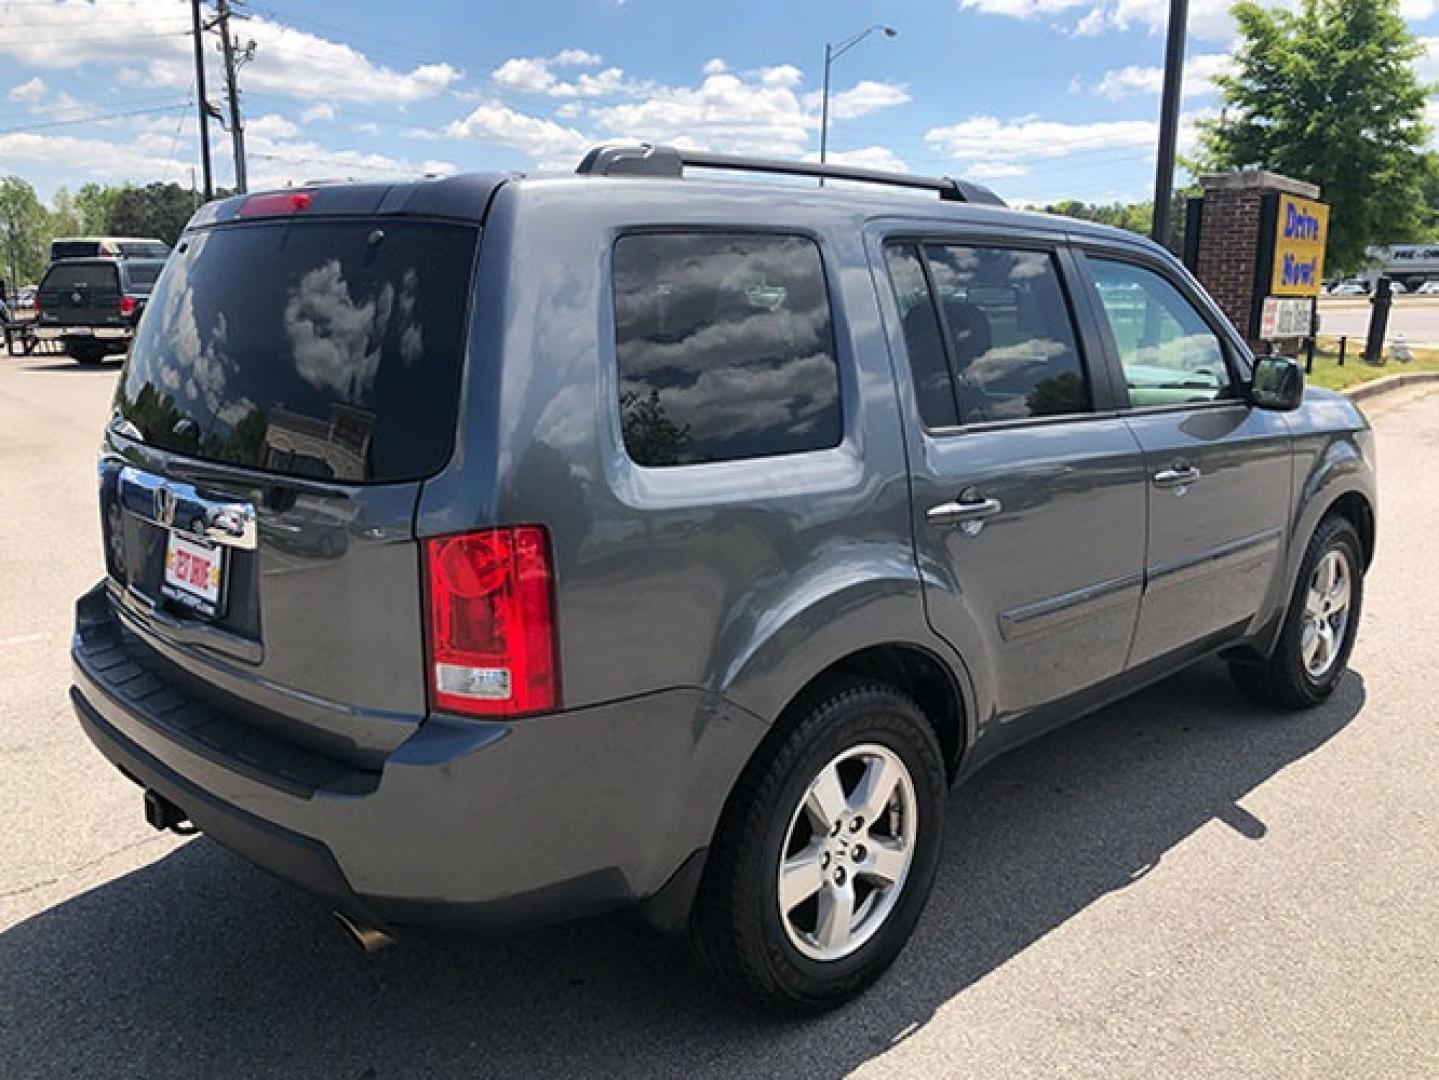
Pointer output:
x,y
67,277
323,349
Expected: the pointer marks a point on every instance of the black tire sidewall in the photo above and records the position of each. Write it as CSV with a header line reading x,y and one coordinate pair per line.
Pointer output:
x,y
1334,533
891,721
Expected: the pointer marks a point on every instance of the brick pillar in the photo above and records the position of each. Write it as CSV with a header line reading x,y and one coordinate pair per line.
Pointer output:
x,y
1229,240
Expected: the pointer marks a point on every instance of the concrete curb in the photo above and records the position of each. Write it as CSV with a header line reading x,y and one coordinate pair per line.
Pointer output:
x,y
1389,382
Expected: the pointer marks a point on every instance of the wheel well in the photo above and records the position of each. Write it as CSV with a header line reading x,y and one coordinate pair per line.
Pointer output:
x,y
913,671
1355,508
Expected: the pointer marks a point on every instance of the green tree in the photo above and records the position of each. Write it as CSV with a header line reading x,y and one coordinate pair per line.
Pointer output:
x,y
93,202
158,210
22,231
1328,94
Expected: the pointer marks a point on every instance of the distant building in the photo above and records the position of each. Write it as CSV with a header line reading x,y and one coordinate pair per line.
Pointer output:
x,y
1412,264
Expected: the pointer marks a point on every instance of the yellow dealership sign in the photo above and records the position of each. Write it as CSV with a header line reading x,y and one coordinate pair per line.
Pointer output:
x,y
1300,233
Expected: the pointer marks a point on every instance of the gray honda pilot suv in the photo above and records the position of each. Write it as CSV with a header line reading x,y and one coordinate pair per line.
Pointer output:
x,y
497,549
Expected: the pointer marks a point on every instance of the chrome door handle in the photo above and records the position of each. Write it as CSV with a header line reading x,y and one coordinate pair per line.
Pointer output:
x,y
958,513
1177,476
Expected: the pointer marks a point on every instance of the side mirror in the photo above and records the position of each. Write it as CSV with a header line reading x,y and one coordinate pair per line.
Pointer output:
x,y
1278,384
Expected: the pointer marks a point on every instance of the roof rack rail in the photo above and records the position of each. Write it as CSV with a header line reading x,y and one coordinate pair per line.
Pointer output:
x,y
669,161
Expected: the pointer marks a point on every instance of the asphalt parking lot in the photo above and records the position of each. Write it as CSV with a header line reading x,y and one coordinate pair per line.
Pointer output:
x,y
1181,885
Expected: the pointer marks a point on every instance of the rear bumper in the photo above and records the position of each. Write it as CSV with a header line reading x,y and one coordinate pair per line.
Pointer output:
x,y
465,824
99,333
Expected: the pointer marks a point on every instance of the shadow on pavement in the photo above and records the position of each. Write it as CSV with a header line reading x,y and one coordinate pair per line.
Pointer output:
x,y
200,965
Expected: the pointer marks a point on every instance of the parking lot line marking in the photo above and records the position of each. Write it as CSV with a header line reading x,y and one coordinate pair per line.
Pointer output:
x,y
21,639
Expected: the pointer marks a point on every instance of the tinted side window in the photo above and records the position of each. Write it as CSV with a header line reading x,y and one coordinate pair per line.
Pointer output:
x,y
725,347
1015,353
922,338
1169,353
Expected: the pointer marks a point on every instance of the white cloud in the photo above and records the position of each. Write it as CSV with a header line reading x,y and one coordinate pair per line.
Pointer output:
x,y
29,92
996,170
1209,20
149,44
577,58
715,66
1427,66
270,126
544,140
322,111
1414,10
365,127
534,75
987,138
1199,73
868,157
863,98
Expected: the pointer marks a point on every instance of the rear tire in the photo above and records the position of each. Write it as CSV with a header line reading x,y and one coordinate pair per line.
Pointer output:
x,y
865,756
1313,649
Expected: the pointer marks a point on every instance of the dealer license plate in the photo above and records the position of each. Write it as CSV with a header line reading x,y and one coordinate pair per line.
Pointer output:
x,y
194,574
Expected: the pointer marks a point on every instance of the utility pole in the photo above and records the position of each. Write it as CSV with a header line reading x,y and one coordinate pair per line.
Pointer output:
x,y
1169,118
232,89
201,103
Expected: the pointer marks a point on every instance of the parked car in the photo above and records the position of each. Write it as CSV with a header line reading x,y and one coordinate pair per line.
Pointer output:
x,y
1349,288
108,247
1398,288
1428,288
92,306
699,537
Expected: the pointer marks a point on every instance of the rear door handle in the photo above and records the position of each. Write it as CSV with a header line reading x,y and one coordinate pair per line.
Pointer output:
x,y
1177,476
962,511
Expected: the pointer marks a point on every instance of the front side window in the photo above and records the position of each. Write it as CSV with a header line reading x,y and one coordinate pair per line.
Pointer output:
x,y
725,347
1014,352
1169,353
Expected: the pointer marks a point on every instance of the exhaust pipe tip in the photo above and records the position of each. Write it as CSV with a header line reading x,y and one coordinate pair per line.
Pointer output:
x,y
370,939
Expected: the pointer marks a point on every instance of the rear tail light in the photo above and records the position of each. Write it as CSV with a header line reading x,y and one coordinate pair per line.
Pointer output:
x,y
279,202
127,305
36,302
491,622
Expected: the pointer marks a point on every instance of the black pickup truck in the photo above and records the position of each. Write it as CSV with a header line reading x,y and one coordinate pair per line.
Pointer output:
x,y
92,305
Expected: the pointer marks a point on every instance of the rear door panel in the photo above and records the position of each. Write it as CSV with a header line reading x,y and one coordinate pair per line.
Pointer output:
x,y
322,627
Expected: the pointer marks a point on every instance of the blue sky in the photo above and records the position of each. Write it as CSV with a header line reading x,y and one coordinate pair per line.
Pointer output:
x,y
1041,99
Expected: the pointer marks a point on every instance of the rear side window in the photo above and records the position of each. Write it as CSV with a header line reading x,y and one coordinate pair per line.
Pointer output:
x,y
141,276
725,347
1012,342
330,349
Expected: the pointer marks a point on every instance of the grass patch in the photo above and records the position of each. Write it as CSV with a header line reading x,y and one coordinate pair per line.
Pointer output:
x,y
1328,373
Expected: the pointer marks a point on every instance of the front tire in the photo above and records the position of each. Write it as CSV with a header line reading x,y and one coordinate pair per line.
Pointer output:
x,y
1313,649
826,853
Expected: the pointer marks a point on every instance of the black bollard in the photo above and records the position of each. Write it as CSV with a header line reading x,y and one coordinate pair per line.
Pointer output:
x,y
1343,344
1378,321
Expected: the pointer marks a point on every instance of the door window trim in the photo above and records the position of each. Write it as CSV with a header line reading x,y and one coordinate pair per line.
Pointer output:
x,y
1233,357
1072,285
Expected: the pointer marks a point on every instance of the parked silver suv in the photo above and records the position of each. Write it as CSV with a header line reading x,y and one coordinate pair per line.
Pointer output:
x,y
497,549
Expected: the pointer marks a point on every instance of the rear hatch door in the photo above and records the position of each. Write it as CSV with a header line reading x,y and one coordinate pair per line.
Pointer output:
x,y
81,292
290,386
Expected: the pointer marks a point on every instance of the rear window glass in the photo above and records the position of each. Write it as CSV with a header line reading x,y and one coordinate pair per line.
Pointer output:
x,y
142,275
143,249
323,349
66,277
74,249
725,347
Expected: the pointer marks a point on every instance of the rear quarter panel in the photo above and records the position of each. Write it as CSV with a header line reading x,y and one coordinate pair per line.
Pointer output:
x,y
744,578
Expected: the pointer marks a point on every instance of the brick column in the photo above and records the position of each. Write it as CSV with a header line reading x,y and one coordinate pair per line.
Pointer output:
x,y
1229,238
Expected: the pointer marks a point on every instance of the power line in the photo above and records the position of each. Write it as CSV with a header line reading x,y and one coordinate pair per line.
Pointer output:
x,y
93,119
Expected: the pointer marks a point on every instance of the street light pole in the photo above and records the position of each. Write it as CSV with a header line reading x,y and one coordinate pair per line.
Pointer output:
x,y
831,54
1169,118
